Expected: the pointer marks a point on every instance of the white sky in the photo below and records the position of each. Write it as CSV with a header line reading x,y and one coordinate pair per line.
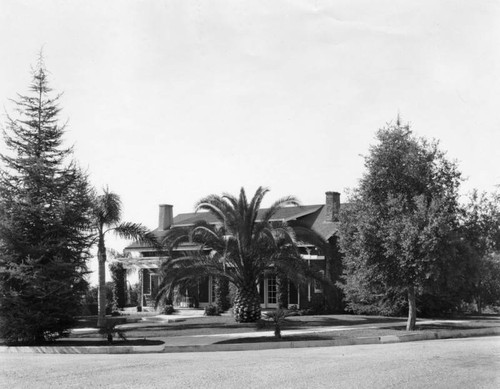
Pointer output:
x,y
169,101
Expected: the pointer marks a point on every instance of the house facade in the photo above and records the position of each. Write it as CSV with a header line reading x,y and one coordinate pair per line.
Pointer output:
x,y
323,218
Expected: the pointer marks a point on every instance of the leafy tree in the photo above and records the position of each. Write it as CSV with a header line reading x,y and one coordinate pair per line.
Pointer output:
x,y
106,217
44,209
239,248
399,233
480,229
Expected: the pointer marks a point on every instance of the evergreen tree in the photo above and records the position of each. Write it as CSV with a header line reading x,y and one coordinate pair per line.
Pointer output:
x,y
44,208
400,233
119,277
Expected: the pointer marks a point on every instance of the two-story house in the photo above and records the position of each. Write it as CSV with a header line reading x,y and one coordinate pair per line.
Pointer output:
x,y
323,218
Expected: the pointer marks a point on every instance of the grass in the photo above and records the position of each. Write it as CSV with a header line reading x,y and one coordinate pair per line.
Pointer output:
x,y
75,342
212,325
342,327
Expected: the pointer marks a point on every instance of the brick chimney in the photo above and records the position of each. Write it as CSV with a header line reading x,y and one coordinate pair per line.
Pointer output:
x,y
166,217
332,207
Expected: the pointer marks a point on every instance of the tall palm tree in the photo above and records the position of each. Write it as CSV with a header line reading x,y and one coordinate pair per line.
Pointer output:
x,y
106,218
241,246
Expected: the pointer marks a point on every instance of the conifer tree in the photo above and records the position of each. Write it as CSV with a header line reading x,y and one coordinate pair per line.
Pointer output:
x,y
44,209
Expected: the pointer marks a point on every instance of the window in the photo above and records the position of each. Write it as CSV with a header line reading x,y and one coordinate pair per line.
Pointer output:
x,y
271,290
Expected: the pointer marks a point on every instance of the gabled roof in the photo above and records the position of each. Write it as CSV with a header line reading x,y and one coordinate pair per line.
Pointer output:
x,y
283,214
310,215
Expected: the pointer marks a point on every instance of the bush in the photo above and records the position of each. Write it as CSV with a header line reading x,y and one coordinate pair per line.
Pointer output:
x,y
109,330
211,310
278,317
168,310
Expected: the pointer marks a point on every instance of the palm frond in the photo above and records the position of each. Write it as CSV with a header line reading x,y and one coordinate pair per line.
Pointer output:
x,y
216,208
107,208
136,232
186,270
174,237
277,205
305,234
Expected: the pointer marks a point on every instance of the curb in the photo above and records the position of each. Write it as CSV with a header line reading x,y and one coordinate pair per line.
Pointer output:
x,y
448,334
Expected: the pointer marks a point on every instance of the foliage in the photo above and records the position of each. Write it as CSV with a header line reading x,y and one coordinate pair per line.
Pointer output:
x,y
106,217
44,209
278,317
168,310
212,310
480,229
399,233
90,301
133,293
119,277
282,291
222,294
109,330
240,247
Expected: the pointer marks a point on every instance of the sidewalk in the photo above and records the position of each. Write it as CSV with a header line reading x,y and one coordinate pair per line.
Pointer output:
x,y
202,343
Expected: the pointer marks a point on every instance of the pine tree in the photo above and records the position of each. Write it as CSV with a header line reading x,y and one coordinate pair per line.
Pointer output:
x,y
44,209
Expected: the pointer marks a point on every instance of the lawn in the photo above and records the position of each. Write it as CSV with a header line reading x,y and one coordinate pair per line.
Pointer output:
x,y
295,328
338,327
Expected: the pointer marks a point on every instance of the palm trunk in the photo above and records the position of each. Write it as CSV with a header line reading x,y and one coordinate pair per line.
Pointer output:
x,y
247,304
101,291
412,309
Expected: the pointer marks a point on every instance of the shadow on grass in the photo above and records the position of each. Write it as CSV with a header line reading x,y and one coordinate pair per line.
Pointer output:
x,y
297,322
104,342
270,339
86,342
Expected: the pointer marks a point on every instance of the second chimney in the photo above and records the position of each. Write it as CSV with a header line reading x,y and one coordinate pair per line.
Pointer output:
x,y
166,217
332,207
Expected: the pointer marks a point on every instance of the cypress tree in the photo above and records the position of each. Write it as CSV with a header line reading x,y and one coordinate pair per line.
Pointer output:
x,y
44,209
119,277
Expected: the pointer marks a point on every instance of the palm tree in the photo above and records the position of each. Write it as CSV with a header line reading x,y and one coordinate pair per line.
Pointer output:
x,y
240,247
106,218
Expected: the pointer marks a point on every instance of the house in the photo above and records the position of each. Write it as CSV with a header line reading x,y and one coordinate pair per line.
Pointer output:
x,y
323,218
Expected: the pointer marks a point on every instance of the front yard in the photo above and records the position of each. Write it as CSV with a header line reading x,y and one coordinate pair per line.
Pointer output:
x,y
317,327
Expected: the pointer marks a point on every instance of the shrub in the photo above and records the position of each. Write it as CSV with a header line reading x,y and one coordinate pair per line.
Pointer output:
x,y
278,317
168,310
211,310
109,330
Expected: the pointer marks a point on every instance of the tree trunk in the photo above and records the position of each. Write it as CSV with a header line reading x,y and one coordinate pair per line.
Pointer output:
x,y
247,304
412,309
101,291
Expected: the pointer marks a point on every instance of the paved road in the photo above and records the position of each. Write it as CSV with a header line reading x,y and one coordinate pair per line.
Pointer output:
x,y
453,363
